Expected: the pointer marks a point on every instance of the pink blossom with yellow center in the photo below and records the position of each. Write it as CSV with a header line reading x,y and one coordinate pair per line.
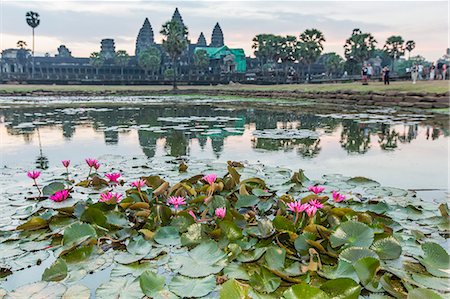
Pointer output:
x,y
316,189
138,184
221,212
210,178
60,195
104,197
176,201
337,197
297,206
113,177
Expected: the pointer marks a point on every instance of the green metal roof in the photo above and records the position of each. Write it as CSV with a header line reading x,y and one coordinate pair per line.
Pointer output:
x,y
219,53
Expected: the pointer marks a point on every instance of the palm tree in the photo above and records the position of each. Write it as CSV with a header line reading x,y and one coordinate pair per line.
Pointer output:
x,y
33,21
21,44
409,46
359,47
265,46
310,46
96,60
174,43
201,58
333,63
149,59
122,58
394,47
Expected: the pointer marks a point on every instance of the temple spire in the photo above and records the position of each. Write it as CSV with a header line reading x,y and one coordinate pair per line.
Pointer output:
x,y
217,37
145,37
177,16
201,42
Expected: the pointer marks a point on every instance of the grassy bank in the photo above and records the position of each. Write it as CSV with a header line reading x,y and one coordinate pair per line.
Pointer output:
x,y
424,86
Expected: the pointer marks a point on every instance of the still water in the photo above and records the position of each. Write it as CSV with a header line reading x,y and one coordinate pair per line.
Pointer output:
x,y
400,150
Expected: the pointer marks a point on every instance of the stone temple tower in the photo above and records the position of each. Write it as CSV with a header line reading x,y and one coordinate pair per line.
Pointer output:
x,y
217,37
201,42
177,16
145,37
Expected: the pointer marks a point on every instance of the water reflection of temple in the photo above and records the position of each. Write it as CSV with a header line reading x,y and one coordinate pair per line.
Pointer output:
x,y
178,127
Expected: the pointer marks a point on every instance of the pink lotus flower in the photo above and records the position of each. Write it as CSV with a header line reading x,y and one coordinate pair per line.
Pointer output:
x,y
297,206
65,163
112,177
221,212
104,197
316,189
337,197
210,178
138,184
60,195
91,162
96,165
176,201
33,174
313,206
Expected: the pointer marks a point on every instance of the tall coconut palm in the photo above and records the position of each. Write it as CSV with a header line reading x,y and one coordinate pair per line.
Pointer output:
x,y
33,21
409,46
174,43
121,59
310,46
395,48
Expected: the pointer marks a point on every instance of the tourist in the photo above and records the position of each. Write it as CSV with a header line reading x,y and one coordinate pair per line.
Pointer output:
x,y
386,71
414,73
420,72
364,75
369,71
432,70
444,71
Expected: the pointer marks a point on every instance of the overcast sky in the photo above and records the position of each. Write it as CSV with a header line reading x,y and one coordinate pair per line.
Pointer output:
x,y
80,25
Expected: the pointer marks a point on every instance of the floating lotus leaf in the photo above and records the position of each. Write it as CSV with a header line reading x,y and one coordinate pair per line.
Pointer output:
x,y
192,287
341,288
233,289
352,233
124,287
303,291
151,283
77,233
423,293
51,188
203,260
275,257
56,272
42,289
77,292
354,254
265,281
33,224
246,201
387,248
167,235
435,283
435,259
366,269
236,271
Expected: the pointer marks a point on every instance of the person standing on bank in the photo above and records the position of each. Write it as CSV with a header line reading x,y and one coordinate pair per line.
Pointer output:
x,y
420,72
369,71
364,75
386,71
444,71
432,71
414,73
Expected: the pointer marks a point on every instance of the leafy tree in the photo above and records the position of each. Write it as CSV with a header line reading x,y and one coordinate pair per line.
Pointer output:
x,y
310,46
394,47
409,46
286,50
121,59
333,62
266,48
96,60
174,43
149,59
405,64
21,44
359,47
201,59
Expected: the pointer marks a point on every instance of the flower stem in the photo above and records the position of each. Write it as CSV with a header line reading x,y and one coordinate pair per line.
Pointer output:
x,y
296,218
39,190
89,174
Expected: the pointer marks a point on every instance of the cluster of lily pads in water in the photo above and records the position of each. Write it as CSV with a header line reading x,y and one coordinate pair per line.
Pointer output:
x,y
227,236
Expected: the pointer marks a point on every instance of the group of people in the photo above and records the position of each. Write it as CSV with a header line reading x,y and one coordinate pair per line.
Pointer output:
x,y
418,72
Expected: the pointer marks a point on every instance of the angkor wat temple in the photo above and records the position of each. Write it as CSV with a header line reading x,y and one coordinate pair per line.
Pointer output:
x,y
225,64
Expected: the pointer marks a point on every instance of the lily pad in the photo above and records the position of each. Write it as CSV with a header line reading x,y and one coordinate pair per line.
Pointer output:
x,y
352,233
192,287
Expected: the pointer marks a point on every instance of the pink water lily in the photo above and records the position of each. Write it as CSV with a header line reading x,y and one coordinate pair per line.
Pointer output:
x,y
138,184
65,163
316,189
60,195
113,177
210,178
104,197
313,206
193,215
96,165
337,197
176,201
91,162
33,174
221,212
297,206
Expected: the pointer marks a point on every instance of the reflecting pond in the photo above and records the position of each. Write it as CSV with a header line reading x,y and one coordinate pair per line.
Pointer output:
x,y
401,150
